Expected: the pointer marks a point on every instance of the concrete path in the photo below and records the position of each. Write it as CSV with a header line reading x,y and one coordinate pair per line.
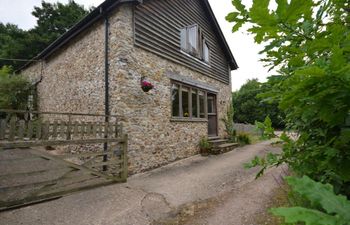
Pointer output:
x,y
156,195
26,173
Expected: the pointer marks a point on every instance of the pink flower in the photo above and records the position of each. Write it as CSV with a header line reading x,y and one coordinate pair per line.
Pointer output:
x,y
146,84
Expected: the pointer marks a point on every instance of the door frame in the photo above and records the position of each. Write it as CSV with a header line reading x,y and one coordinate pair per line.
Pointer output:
x,y
216,113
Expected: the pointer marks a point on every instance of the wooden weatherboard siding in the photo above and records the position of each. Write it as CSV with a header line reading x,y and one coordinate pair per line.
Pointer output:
x,y
157,29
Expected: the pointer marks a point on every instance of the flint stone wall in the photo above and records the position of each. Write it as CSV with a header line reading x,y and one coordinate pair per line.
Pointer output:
x,y
73,81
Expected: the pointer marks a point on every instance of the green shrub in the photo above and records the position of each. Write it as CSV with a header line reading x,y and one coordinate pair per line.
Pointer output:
x,y
228,121
327,207
244,139
232,138
14,90
249,107
267,131
204,146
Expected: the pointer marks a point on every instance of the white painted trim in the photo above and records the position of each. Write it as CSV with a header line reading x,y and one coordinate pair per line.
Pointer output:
x,y
198,60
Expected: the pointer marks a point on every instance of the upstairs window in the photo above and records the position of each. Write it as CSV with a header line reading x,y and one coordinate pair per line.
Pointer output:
x,y
205,52
193,43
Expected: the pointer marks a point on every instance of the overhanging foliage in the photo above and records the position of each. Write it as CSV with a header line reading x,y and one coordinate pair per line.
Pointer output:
x,y
309,42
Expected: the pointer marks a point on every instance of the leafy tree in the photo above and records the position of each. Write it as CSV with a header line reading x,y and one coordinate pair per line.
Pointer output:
x,y
11,43
266,127
5,72
249,107
53,19
309,42
14,90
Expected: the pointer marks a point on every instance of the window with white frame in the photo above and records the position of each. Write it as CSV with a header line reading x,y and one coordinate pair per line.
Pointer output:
x,y
193,43
205,52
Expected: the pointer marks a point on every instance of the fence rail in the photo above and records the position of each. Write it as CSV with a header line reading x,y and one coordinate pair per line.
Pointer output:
x,y
247,128
48,128
99,157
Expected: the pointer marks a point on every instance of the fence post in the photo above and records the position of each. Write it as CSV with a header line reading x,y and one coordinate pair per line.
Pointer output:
x,y
13,128
69,127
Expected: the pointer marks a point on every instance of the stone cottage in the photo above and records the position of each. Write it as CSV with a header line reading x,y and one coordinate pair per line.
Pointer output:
x,y
176,45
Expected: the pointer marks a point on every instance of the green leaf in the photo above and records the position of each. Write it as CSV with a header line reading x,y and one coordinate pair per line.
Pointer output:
x,y
231,17
239,6
321,194
272,45
337,59
298,9
282,9
311,71
308,216
319,44
284,137
259,33
237,26
260,12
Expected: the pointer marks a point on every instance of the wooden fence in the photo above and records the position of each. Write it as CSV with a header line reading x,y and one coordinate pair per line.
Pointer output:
x,y
101,154
247,128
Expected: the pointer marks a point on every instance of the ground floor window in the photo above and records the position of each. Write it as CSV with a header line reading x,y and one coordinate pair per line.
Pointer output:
x,y
188,102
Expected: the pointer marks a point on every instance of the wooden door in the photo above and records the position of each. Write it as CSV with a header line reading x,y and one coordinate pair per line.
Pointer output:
x,y
212,115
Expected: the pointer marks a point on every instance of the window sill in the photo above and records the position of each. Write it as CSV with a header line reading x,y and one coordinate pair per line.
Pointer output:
x,y
195,58
174,119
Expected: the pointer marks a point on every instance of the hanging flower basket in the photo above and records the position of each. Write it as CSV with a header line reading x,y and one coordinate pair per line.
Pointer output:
x,y
146,86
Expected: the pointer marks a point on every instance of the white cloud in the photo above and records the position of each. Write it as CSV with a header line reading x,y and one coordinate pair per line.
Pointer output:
x,y
242,45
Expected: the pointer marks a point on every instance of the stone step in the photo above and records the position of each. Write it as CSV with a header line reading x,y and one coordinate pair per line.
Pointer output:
x,y
222,148
213,138
226,145
218,141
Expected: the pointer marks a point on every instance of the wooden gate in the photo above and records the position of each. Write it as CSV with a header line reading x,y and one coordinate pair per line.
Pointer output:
x,y
46,155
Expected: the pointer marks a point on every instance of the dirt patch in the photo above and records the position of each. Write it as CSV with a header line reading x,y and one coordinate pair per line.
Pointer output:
x,y
279,199
155,206
187,212
246,205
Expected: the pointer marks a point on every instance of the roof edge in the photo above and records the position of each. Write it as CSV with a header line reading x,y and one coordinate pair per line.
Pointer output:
x,y
99,12
102,10
233,63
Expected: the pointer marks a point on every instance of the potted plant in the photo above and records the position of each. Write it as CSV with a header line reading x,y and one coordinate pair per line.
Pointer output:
x,y
204,146
145,85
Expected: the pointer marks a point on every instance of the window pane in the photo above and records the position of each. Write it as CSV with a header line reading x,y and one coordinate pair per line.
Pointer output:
x,y
205,52
175,100
185,106
201,104
183,38
192,39
194,103
211,104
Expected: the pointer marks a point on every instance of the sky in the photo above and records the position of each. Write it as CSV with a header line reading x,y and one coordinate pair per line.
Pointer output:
x,y
242,45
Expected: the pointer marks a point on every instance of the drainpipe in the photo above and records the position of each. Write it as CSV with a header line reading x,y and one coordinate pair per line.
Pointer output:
x,y
106,68
106,77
